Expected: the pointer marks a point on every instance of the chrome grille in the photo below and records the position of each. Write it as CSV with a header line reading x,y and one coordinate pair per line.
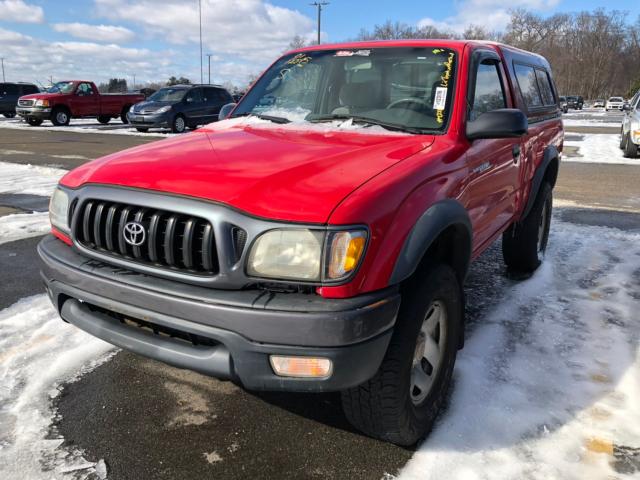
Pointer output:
x,y
174,241
25,103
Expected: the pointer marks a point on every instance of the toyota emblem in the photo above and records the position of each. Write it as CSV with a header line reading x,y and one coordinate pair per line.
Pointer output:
x,y
134,233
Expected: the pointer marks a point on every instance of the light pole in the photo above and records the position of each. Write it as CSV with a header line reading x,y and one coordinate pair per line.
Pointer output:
x,y
2,60
200,14
209,57
319,5
134,81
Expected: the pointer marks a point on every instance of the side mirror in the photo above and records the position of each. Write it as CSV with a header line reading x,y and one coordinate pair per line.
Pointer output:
x,y
502,123
226,110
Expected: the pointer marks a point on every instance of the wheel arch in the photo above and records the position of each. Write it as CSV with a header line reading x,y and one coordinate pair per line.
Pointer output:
x,y
442,233
547,170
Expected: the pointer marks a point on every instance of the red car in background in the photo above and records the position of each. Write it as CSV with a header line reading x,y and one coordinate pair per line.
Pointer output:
x,y
75,98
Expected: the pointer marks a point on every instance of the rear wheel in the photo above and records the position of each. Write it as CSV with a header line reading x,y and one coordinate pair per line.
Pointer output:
x,y
630,148
142,129
401,402
9,115
104,119
525,242
178,125
34,122
60,117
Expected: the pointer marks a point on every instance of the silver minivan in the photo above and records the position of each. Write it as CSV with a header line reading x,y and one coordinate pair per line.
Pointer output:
x,y
630,132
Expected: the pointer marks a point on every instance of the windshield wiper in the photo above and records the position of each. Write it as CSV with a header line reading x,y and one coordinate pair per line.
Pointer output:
x,y
271,118
367,120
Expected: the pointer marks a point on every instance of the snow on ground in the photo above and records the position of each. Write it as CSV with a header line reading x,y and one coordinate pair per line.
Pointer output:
x,y
599,148
588,122
23,225
17,178
85,125
548,383
38,352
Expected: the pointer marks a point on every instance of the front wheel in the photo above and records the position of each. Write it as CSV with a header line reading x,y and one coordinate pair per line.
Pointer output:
x,y
401,402
525,242
143,130
60,117
9,115
178,125
630,148
123,114
34,122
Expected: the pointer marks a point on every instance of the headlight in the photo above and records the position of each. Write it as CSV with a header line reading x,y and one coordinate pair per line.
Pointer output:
x,y
307,255
164,109
59,210
42,103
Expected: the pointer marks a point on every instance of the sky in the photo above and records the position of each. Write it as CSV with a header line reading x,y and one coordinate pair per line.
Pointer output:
x,y
153,40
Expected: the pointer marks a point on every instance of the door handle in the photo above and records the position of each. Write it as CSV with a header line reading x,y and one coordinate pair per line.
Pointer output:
x,y
516,152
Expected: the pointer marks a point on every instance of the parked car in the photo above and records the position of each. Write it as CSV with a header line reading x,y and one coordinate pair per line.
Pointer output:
x,y
575,101
598,103
564,106
178,107
321,243
147,92
630,132
75,98
614,103
9,94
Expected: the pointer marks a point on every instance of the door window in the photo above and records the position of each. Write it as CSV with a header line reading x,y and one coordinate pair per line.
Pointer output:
x,y
84,89
488,94
29,89
194,96
8,89
545,88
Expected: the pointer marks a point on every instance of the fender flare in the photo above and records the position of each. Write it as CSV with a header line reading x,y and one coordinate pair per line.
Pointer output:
x,y
550,153
430,225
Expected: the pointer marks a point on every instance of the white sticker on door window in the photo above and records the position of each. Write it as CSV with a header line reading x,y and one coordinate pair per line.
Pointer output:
x,y
440,99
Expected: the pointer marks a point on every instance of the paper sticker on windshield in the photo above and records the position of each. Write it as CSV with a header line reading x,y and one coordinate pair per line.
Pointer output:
x,y
440,99
344,53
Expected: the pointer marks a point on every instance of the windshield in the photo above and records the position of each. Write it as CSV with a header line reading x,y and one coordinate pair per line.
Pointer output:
x,y
61,87
406,88
615,99
168,95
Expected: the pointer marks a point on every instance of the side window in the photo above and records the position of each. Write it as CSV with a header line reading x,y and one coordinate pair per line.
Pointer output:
x,y
526,77
29,89
194,96
545,87
637,103
488,94
9,89
84,89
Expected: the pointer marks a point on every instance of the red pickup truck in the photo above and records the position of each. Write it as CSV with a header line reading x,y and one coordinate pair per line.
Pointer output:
x,y
318,239
75,98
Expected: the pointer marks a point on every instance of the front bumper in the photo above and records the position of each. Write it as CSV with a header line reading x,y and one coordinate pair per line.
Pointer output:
x,y
243,327
160,120
34,112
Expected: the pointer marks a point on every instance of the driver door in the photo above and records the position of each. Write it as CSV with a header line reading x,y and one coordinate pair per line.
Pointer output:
x,y
84,101
493,164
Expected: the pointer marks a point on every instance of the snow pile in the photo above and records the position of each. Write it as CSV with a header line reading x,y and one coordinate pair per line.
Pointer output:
x,y
83,125
38,351
548,383
23,225
17,178
300,125
599,148
588,122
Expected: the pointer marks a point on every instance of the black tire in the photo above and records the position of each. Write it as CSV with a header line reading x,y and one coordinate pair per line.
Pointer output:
x,y
9,115
622,139
143,130
630,148
123,114
60,117
104,119
179,124
524,242
388,406
34,122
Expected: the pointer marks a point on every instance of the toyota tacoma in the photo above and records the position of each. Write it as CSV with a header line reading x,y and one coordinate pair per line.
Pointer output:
x,y
318,237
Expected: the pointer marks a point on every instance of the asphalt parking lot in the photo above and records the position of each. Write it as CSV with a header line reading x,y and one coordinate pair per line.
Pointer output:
x,y
149,420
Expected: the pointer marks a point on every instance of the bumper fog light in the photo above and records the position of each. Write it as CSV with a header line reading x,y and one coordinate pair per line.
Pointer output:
x,y
303,367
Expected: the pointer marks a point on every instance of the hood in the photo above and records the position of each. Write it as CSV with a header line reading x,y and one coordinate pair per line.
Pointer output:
x,y
152,106
42,96
272,171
